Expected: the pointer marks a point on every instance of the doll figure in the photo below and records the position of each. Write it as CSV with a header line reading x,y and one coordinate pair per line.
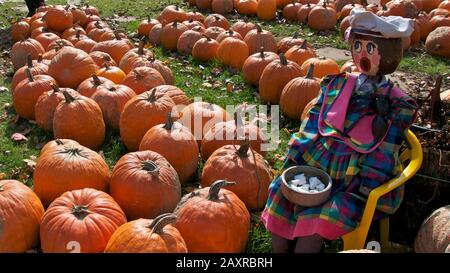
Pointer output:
x,y
354,133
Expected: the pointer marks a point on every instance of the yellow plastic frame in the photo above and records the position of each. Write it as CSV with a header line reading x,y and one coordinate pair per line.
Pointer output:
x,y
357,238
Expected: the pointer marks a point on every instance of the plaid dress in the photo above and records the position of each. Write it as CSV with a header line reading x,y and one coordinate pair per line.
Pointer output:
x,y
355,168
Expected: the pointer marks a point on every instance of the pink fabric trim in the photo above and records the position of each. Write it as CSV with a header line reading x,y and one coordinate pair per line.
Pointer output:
x,y
363,131
304,227
340,105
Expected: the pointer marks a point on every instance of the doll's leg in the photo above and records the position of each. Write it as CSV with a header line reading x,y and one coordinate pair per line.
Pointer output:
x,y
309,244
280,244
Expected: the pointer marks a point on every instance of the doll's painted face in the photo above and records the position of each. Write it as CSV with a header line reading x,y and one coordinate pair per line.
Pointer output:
x,y
366,56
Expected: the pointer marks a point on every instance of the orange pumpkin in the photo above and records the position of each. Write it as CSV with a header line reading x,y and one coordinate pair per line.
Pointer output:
x,y
257,38
115,48
112,73
300,53
232,133
59,18
437,42
213,219
148,236
112,100
308,107
71,66
187,41
243,27
127,61
171,14
46,104
275,76
190,24
142,176
322,17
266,9
85,44
429,5
303,12
21,214
155,34
183,152
196,16
247,7
199,117
140,114
222,6
68,167
27,92
290,11
216,20
79,16
35,67
86,217
247,168
146,25
322,67
73,30
424,24
170,34
349,67
204,4
254,66
286,43
86,121
101,58
214,32
20,51
142,79
440,21
159,66
176,94
233,52
229,33
297,93
205,49
88,87
20,31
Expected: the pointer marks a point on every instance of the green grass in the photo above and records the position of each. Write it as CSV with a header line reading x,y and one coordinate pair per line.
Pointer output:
x,y
197,79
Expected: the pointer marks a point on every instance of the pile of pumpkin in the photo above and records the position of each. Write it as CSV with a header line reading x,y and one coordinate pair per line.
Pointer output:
x,y
282,79
74,183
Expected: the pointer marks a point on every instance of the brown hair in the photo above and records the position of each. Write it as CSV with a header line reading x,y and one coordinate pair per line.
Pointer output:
x,y
391,51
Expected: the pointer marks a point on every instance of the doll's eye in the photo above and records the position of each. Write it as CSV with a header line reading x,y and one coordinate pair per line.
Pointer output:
x,y
357,46
370,48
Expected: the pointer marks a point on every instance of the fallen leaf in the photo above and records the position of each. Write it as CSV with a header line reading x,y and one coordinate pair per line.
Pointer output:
x,y
3,89
18,137
31,163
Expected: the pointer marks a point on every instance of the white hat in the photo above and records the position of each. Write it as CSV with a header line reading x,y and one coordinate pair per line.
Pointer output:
x,y
365,22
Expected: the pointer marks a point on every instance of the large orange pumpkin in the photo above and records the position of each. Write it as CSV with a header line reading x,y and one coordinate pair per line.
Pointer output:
x,y
141,113
20,31
205,49
79,118
303,12
155,34
286,43
297,93
222,6
200,116
20,216
59,18
71,66
68,167
171,14
148,236
254,65
322,66
112,100
322,17
116,48
145,185
247,7
290,11
45,107
233,52
28,91
175,143
216,20
438,43
247,168
213,219
80,221
56,143
176,94
146,25
434,234
243,27
36,68
142,79
20,51
257,38
275,76
187,41
429,5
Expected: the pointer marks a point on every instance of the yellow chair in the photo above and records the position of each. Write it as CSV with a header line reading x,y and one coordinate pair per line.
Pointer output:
x,y
357,238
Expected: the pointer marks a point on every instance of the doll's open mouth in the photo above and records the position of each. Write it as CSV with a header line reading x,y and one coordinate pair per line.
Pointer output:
x,y
364,63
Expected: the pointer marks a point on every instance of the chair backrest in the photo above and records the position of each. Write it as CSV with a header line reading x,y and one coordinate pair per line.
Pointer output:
x,y
413,154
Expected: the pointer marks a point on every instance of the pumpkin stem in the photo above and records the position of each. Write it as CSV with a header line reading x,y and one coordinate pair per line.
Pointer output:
x,y
261,52
243,149
152,97
29,61
78,34
69,98
112,89
96,80
169,122
207,37
215,187
216,17
29,75
191,20
258,28
295,36
141,47
283,60
80,212
39,59
151,167
310,72
175,23
117,36
59,141
161,221
304,45
55,88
